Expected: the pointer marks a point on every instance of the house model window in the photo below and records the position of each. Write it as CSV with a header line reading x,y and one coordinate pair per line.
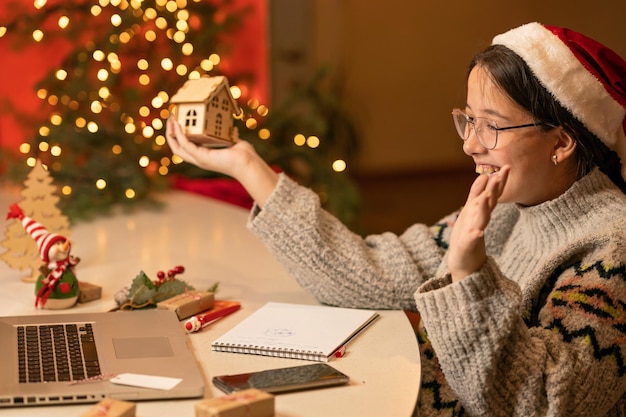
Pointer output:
x,y
205,108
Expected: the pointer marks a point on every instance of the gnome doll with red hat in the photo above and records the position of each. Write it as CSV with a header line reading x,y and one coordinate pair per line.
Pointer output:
x,y
57,286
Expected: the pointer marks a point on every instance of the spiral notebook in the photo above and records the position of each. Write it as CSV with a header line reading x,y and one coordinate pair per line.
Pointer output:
x,y
296,331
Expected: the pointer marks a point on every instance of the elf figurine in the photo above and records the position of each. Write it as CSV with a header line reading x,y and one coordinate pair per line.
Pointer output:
x,y
57,286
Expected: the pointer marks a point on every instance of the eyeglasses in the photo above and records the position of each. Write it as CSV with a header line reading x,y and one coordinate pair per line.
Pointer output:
x,y
486,130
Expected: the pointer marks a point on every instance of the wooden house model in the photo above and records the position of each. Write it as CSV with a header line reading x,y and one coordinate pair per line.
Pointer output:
x,y
205,109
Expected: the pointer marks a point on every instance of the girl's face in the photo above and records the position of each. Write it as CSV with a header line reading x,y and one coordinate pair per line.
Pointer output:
x,y
528,150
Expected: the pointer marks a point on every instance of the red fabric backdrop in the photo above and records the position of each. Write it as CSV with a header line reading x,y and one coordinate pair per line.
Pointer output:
x,y
20,70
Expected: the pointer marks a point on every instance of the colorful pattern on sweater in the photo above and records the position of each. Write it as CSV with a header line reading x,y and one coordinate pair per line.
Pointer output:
x,y
436,397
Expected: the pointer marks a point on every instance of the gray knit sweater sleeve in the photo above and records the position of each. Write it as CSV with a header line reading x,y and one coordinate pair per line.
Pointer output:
x,y
336,265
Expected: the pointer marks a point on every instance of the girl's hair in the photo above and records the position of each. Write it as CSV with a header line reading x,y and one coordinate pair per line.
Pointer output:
x,y
511,73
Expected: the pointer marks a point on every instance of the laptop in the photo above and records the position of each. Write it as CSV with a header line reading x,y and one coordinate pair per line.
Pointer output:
x,y
70,358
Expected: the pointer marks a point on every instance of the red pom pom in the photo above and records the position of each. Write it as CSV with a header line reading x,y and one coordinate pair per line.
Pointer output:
x,y
64,287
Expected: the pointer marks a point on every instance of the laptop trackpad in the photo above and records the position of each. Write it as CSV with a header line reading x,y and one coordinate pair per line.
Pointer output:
x,y
142,347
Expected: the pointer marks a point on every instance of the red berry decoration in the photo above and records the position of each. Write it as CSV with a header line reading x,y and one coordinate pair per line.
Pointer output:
x,y
161,275
179,269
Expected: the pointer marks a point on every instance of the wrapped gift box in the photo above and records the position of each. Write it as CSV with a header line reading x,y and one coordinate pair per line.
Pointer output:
x,y
111,408
88,292
247,403
189,303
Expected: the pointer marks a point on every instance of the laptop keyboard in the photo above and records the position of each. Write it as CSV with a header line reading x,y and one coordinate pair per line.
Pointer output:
x,y
56,352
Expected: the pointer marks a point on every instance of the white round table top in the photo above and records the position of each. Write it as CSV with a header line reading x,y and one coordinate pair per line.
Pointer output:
x,y
209,238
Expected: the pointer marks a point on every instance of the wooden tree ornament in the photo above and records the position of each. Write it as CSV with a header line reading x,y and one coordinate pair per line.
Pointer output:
x,y
39,202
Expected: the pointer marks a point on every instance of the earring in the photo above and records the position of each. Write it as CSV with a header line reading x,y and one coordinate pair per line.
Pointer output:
x,y
554,161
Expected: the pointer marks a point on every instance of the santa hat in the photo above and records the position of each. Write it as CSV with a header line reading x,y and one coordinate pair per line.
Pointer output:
x,y
584,76
43,238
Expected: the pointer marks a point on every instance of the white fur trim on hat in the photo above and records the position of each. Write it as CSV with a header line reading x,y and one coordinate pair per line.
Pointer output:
x,y
577,89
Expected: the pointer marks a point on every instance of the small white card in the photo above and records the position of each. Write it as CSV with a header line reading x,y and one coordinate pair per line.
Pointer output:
x,y
146,381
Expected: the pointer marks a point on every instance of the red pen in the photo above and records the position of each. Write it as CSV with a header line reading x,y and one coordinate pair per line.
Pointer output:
x,y
219,310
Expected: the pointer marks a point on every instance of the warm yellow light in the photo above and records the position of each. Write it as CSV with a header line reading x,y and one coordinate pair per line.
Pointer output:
x,y
157,124
116,149
80,122
125,37
150,13
104,93
66,190
167,64
55,150
181,69
37,35
103,74
179,37
116,20
187,49
161,23
112,57
63,22
262,110
143,64
53,100
130,128
56,119
39,3
147,132
206,65
44,131
339,165
98,55
144,79
177,159
214,58
194,75
157,102
144,161
150,36
96,107
253,103
235,92
299,139
95,10
182,25
31,162
116,66
264,134
251,123
313,142
129,193
92,127
144,111
44,146
171,6
101,184
25,148
3,31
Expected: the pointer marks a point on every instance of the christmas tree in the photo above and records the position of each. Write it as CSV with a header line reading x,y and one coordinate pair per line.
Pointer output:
x,y
102,137
39,203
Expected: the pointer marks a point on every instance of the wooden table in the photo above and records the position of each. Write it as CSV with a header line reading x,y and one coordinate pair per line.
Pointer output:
x,y
209,238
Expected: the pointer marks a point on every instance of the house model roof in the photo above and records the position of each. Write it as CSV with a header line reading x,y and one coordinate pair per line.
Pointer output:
x,y
201,89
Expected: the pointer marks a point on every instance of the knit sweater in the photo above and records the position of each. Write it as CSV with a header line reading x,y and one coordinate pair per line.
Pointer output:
x,y
539,330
